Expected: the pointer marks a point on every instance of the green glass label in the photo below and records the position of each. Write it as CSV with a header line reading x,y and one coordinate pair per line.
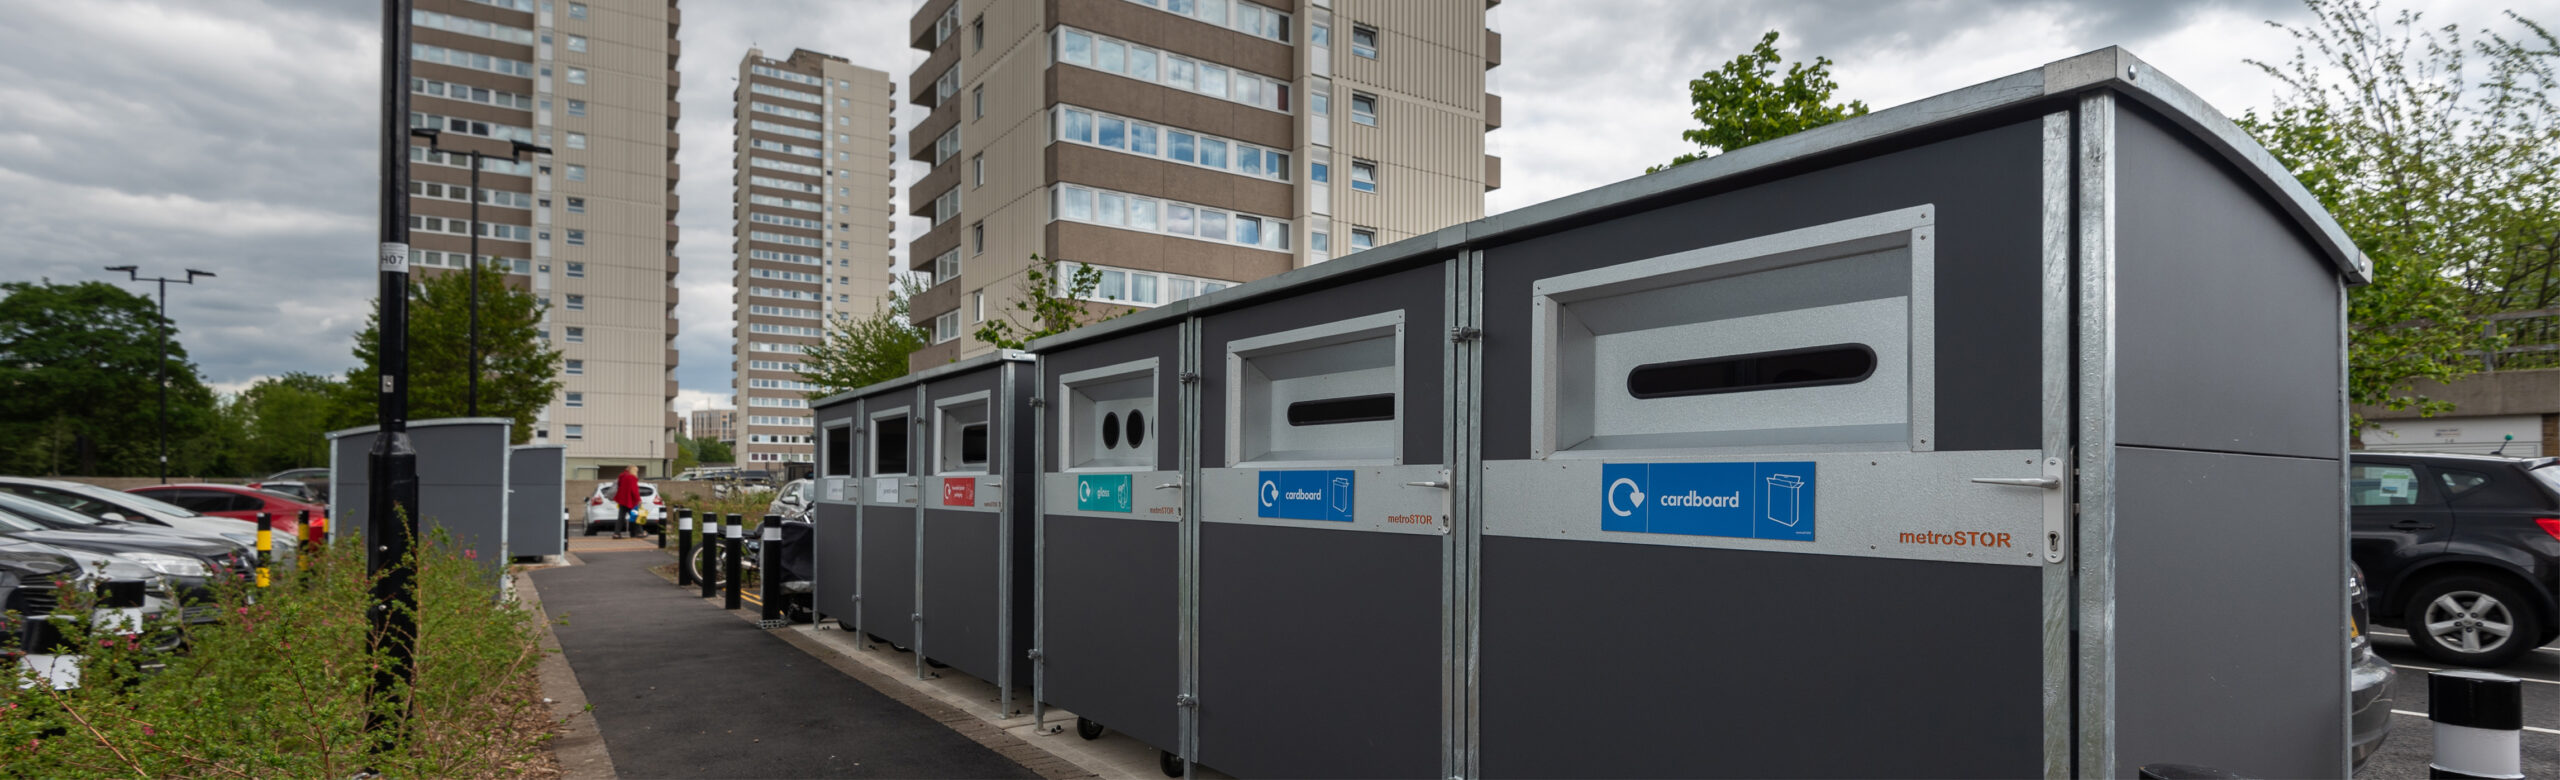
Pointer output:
x,y
1102,493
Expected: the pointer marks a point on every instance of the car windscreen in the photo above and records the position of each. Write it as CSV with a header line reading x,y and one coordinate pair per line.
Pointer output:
x,y
11,522
135,500
41,512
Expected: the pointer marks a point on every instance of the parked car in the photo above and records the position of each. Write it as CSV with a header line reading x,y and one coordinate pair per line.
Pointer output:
x,y
2463,551
239,503
310,484
32,576
2369,678
191,567
131,508
601,511
795,500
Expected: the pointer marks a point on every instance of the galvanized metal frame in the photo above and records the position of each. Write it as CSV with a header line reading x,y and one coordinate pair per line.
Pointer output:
x,y
1039,475
918,427
1187,653
2095,214
2056,395
1465,370
1001,422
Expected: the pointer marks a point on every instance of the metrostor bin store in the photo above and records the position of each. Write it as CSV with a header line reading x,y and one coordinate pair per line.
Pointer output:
x,y
1932,442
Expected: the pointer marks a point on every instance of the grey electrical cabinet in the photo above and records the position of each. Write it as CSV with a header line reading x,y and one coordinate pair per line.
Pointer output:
x,y
940,540
463,476
1933,442
537,484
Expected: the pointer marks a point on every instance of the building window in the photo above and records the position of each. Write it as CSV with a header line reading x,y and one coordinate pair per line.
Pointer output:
x,y
1320,242
946,207
946,327
1364,41
577,10
978,305
577,107
577,205
946,266
577,303
1320,173
978,170
977,32
1363,238
579,43
978,102
577,237
574,431
575,399
577,140
577,75
1320,35
573,366
577,172
1364,108
577,269
1364,176
978,238
577,335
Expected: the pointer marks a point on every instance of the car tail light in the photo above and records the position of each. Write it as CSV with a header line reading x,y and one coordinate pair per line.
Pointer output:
x,y
596,501
2550,525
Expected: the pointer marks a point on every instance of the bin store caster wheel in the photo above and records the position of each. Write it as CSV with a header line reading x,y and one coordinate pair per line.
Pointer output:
x,y
1169,763
1087,728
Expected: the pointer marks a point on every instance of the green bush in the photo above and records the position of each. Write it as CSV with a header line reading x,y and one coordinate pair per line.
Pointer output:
x,y
282,685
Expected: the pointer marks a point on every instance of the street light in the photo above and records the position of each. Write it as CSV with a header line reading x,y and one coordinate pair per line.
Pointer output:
x,y
135,272
515,153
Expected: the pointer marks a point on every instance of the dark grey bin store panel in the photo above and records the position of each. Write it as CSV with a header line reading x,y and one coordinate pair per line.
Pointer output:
x,y
1985,190
966,596
888,573
1689,662
462,482
833,589
2221,540
538,493
1319,652
2213,288
1109,647
961,590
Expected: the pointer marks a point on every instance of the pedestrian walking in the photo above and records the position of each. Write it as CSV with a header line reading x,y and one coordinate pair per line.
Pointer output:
x,y
626,495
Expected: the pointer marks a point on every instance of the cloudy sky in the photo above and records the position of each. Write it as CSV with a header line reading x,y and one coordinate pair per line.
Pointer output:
x,y
238,136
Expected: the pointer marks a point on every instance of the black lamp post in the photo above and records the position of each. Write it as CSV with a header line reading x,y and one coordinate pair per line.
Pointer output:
x,y
135,271
515,153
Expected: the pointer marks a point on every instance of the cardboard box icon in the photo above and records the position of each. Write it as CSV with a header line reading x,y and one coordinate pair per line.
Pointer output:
x,y
1339,494
1786,497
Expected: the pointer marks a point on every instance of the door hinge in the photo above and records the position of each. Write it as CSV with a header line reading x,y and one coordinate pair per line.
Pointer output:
x,y
1465,334
1187,377
1038,402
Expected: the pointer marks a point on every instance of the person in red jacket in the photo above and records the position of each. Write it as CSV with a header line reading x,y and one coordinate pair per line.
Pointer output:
x,y
626,494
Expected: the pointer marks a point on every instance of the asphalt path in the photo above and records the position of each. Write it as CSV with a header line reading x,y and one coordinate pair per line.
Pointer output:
x,y
682,688
2406,753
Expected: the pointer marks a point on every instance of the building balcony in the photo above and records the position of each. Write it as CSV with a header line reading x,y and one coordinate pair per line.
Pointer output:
x,y
1492,49
1492,111
940,180
936,122
935,354
933,302
920,26
1492,173
941,238
920,82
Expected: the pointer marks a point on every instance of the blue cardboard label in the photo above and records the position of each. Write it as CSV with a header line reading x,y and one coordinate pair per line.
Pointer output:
x,y
1102,493
1741,500
1304,495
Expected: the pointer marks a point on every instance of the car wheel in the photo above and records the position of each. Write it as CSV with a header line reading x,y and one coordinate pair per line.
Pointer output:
x,y
2470,621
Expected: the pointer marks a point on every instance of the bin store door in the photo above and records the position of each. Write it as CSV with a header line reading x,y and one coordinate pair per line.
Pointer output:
x,y
1735,549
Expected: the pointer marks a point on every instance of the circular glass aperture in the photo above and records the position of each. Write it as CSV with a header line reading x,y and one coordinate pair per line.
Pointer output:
x,y
1137,427
1110,430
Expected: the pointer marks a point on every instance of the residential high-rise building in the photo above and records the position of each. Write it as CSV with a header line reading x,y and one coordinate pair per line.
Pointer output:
x,y
812,243
590,227
1181,146
720,425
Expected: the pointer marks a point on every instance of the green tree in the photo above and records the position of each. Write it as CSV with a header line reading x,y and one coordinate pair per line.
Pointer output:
x,y
715,451
1054,305
2438,157
79,381
1746,102
520,370
866,351
286,419
687,456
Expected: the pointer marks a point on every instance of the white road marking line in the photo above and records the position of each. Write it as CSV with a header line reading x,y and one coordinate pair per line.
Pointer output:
x,y
2527,728
2435,669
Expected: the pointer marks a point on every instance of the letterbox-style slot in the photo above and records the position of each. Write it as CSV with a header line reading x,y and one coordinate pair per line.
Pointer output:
x,y
1838,364
1109,420
960,435
1326,393
1813,339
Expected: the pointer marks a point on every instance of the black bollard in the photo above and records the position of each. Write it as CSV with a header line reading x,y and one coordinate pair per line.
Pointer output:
x,y
2479,719
266,544
684,547
769,563
736,533
663,522
709,577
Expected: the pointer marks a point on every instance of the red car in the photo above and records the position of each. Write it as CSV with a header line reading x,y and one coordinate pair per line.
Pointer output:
x,y
238,502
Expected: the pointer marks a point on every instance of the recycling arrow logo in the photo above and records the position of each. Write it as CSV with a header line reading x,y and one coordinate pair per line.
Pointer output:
x,y
1635,497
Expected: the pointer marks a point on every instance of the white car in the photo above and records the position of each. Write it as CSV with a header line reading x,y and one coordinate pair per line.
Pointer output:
x,y
601,511
122,507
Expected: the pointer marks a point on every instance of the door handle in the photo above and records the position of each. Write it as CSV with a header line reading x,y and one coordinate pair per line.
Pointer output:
x,y
1429,484
1174,485
2411,525
2046,483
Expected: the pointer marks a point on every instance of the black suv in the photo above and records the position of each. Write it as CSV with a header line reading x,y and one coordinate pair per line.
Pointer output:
x,y
2463,551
